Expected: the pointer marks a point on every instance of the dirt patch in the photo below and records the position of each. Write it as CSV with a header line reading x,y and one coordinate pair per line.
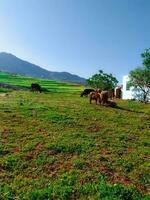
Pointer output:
x,y
116,178
6,132
33,154
147,157
94,128
52,170
16,150
131,149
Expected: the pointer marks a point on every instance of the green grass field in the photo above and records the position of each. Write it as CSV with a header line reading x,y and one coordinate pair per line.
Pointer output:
x,y
47,85
55,145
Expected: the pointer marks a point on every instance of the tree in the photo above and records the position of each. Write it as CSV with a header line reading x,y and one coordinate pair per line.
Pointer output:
x,y
146,58
140,77
102,81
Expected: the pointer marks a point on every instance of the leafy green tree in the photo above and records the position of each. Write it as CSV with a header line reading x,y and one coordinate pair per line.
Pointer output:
x,y
102,81
140,77
146,58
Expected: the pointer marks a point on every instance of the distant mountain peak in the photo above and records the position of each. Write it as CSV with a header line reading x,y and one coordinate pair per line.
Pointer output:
x,y
7,54
13,64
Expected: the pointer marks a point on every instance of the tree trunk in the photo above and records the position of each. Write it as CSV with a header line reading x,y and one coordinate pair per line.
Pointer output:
x,y
144,97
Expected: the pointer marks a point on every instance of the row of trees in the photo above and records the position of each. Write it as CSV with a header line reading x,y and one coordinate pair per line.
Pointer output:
x,y
139,77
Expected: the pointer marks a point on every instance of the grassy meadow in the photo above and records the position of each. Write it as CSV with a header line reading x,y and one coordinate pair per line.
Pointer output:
x,y
47,85
55,145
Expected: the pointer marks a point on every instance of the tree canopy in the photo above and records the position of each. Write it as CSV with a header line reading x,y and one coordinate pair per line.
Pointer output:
x,y
146,58
102,81
140,77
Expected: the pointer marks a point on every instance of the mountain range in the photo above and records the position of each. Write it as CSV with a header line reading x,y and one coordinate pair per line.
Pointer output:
x,y
12,64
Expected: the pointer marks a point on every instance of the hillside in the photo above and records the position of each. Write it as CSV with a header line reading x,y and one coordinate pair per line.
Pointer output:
x,y
24,83
12,64
55,145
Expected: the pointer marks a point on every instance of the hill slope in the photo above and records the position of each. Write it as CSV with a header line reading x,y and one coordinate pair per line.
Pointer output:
x,y
12,64
24,82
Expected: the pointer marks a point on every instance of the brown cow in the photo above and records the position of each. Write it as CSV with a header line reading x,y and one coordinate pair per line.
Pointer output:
x,y
111,94
95,96
104,97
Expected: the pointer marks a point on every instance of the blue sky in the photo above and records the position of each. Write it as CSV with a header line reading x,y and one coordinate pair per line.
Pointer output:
x,y
78,36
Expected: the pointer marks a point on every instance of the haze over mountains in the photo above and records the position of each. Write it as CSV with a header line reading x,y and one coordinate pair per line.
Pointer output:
x,y
12,64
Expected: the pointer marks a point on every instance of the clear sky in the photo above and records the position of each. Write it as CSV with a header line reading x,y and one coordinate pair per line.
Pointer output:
x,y
78,36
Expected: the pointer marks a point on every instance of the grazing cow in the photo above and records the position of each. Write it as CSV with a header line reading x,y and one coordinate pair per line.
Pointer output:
x,y
95,96
86,92
98,90
35,87
104,97
111,94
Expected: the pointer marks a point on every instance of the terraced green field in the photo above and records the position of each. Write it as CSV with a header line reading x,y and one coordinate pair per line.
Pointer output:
x,y
47,85
55,145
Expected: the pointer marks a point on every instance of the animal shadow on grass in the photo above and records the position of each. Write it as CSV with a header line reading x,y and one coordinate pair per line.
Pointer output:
x,y
133,111
113,104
